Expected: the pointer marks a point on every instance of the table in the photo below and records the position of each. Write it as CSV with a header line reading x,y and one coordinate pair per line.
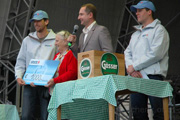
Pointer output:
x,y
94,95
8,112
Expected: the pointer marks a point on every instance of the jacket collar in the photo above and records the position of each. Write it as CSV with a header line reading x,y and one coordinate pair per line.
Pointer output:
x,y
86,30
89,36
151,25
50,36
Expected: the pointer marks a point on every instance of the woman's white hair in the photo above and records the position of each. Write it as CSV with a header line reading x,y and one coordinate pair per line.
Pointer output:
x,y
63,34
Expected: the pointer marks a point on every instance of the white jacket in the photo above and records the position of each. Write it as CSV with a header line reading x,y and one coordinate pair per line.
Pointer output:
x,y
148,49
32,48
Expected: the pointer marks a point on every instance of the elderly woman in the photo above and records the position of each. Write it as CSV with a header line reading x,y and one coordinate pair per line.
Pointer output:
x,y
67,69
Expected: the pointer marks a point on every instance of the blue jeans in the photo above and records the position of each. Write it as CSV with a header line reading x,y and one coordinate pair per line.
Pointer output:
x,y
139,104
31,96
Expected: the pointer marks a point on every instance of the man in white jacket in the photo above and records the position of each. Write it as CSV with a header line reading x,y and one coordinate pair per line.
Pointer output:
x,y
37,45
147,56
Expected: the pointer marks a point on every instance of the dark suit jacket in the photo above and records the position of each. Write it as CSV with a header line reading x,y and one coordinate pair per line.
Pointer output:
x,y
98,39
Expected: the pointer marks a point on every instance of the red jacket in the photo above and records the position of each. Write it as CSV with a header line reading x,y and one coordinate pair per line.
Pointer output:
x,y
68,68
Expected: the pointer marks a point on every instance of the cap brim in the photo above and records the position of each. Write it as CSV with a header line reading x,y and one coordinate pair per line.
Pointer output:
x,y
31,20
134,8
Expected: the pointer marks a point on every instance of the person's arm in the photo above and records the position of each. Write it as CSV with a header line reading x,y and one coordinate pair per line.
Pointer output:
x,y
159,47
20,81
128,55
20,66
128,60
128,63
71,73
136,74
105,40
74,47
50,83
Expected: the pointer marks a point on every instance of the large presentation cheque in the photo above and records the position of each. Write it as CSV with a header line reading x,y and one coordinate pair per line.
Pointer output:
x,y
40,71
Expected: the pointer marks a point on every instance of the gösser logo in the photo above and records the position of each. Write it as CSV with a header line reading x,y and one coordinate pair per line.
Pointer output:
x,y
85,68
109,64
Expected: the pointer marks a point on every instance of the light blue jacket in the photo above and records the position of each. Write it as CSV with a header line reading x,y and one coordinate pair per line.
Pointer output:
x,y
148,49
32,48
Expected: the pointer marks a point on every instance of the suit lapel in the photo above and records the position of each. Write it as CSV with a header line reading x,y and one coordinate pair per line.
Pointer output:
x,y
81,42
90,33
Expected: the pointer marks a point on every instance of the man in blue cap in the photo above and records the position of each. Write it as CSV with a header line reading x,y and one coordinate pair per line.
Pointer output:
x,y
147,57
37,45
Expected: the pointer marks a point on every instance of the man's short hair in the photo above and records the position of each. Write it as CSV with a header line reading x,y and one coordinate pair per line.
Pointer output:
x,y
45,20
147,9
90,8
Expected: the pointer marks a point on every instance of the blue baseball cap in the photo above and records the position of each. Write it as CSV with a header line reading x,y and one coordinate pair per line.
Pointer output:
x,y
39,15
143,4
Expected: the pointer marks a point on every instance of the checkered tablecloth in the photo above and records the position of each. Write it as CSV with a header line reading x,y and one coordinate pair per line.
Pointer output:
x,y
87,99
8,112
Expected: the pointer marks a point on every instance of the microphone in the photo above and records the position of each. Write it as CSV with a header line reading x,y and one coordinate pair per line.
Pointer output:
x,y
76,27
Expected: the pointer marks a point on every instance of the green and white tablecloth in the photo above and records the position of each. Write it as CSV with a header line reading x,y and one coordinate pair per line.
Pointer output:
x,y
8,112
87,99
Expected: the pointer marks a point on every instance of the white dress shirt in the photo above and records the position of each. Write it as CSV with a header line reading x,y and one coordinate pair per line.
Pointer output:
x,y
86,30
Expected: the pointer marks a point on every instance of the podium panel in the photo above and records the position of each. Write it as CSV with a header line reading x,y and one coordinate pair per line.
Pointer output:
x,y
96,63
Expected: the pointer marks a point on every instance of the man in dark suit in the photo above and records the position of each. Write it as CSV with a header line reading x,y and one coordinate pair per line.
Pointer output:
x,y
94,36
